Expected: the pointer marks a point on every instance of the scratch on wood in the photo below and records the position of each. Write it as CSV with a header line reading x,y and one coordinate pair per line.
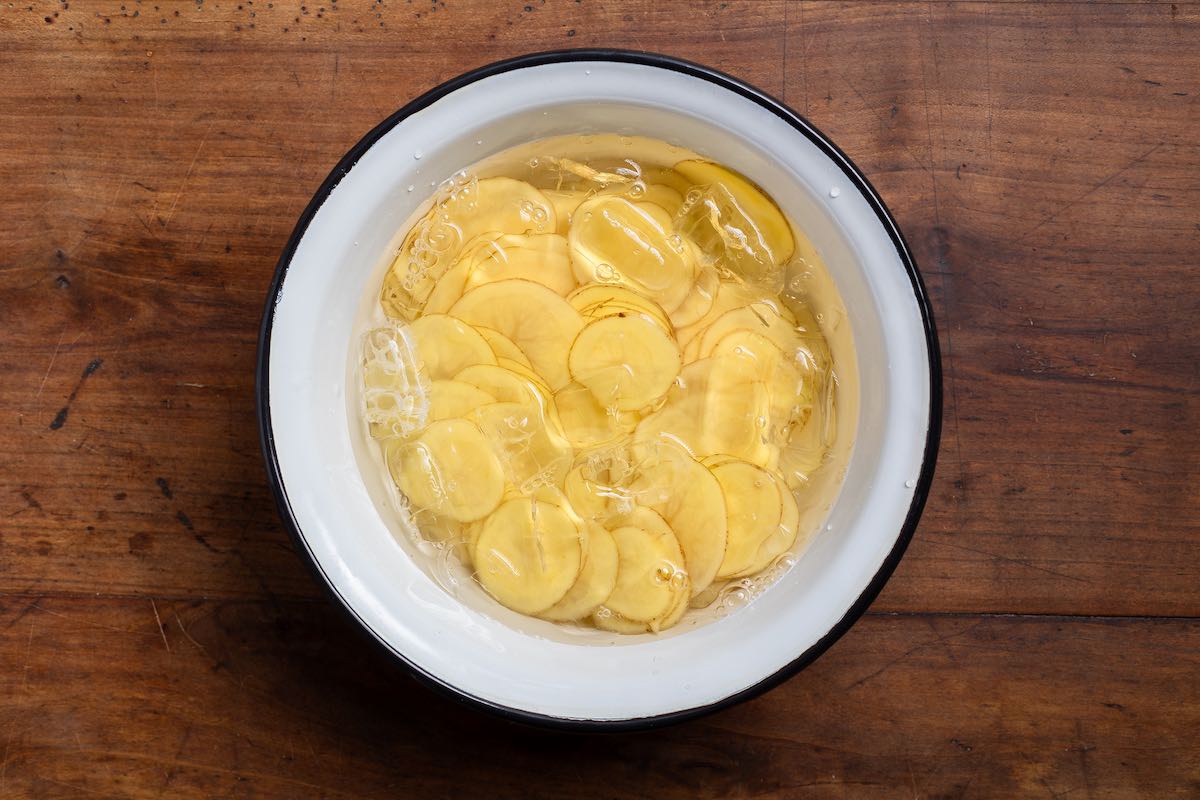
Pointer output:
x,y
188,175
28,656
158,619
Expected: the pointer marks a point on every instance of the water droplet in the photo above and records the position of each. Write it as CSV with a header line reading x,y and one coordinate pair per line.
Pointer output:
x,y
478,142
417,155
587,72
411,187
829,526
910,483
834,192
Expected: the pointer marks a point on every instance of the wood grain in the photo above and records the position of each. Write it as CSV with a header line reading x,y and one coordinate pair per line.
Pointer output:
x,y
159,637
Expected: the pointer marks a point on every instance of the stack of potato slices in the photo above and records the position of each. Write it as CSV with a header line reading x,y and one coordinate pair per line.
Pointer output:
x,y
593,391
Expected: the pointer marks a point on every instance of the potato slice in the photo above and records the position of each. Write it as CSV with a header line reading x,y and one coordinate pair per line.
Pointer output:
x,y
540,258
615,241
599,300
531,446
565,201
729,295
503,346
596,581
536,319
528,555
449,469
588,498
503,384
664,197
627,362
446,345
762,317
747,208
792,393
606,619
585,422
450,399
433,246
689,498
753,507
699,300
782,538
647,565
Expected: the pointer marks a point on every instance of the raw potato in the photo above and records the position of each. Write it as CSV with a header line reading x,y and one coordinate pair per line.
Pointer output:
x,y
782,538
599,300
753,507
528,555
699,300
540,258
536,319
761,317
597,578
585,422
647,561
503,346
791,391
432,247
529,442
445,346
504,385
450,469
565,201
764,217
628,362
729,295
613,239
585,496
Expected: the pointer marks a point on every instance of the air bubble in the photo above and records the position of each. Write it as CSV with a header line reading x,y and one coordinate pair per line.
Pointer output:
x,y
834,192
910,483
417,155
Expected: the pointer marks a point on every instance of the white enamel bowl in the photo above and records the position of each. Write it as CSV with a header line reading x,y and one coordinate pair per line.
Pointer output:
x,y
468,645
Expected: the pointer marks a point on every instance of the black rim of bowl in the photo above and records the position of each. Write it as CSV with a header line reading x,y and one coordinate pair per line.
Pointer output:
x,y
804,128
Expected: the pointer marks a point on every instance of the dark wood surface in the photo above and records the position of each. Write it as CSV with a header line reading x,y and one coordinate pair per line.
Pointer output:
x,y
160,638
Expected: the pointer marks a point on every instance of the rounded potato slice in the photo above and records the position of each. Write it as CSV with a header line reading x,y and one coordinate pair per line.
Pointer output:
x,y
750,203
761,317
450,399
606,619
449,469
503,346
599,300
729,295
432,247
699,300
533,317
689,498
528,555
782,538
597,578
446,345
791,392
587,498
647,565
753,508
627,362
585,422
541,258
531,447
614,240
565,201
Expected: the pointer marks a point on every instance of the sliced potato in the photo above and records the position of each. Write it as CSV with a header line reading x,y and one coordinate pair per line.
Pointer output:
x,y
449,469
599,300
791,391
614,240
596,581
746,208
565,201
503,346
782,538
531,447
606,619
541,258
627,361
647,562
588,498
450,399
699,300
432,247
753,507
664,197
762,317
585,422
503,384
528,555
446,345
690,499
536,319
729,295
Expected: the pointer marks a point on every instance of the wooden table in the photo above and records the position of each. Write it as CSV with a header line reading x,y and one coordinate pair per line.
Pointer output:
x,y
159,636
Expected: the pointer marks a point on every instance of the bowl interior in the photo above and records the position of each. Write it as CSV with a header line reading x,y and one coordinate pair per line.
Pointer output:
x,y
335,496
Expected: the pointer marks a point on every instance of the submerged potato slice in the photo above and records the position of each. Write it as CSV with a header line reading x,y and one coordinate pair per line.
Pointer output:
x,y
585,422
446,345
533,317
599,300
531,446
450,399
541,258
690,499
647,563
597,578
565,201
614,240
753,508
528,555
728,296
498,205
588,499
763,317
782,538
627,362
503,384
752,208
503,346
791,391
699,300
449,469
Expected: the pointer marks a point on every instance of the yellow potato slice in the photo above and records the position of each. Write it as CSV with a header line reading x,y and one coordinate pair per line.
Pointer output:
x,y
596,581
528,555
599,300
729,295
627,362
446,345
585,422
791,391
533,317
540,258
690,499
753,507
763,317
531,446
782,538
517,368
432,247
450,399
615,241
448,288
647,565
746,208
503,384
664,197
587,498
503,346
606,619
449,469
